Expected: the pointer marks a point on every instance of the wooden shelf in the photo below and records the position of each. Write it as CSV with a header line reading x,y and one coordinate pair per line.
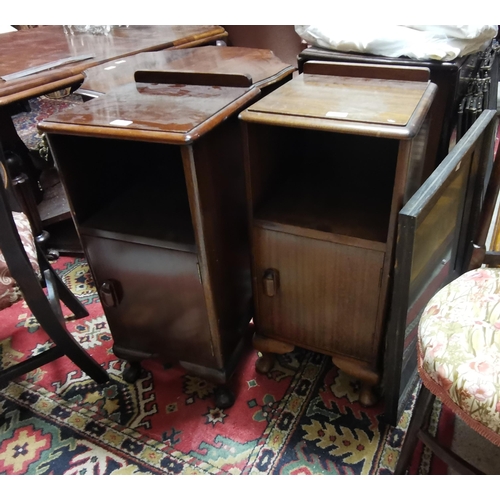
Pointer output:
x,y
318,206
54,206
145,215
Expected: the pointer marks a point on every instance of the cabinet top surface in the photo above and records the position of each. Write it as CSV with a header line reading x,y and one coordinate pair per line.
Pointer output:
x,y
332,100
171,113
261,65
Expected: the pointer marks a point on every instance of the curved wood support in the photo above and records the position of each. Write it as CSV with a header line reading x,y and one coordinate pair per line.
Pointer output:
x,y
364,372
267,344
268,347
264,363
367,395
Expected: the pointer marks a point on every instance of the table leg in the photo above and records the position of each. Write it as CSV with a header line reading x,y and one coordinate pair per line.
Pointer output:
x,y
17,157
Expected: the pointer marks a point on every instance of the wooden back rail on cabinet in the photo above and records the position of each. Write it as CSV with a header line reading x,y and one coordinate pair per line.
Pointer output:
x,y
262,66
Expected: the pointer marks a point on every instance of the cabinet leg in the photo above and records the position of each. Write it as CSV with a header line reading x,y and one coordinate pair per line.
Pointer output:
x,y
367,396
224,397
265,362
132,372
268,347
365,373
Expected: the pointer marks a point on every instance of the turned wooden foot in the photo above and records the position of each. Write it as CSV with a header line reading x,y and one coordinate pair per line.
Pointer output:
x,y
367,396
224,397
268,347
361,370
132,372
265,363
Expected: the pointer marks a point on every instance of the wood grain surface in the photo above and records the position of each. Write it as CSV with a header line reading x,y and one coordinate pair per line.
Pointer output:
x,y
261,65
176,114
45,44
353,105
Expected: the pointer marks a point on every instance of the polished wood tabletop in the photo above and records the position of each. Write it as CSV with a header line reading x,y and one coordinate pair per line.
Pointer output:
x,y
261,65
25,49
170,113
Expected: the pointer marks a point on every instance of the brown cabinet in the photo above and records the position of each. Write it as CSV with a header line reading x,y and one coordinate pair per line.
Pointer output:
x,y
331,157
155,181
453,79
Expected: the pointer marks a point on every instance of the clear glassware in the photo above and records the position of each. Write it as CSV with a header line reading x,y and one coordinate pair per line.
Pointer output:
x,y
98,29
92,29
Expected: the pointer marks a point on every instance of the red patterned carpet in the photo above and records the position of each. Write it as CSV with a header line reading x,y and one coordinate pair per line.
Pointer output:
x,y
41,108
302,418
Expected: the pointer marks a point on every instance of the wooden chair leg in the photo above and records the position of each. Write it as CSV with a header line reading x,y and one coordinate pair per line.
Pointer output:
x,y
46,310
18,160
78,355
68,298
447,456
420,418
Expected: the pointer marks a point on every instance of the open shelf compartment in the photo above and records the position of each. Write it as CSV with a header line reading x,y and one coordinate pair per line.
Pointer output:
x,y
324,185
128,190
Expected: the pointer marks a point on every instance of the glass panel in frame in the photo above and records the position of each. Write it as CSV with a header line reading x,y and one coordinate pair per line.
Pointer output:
x,y
435,232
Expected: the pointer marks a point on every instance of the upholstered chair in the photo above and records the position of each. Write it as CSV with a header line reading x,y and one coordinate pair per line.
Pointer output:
x,y
459,347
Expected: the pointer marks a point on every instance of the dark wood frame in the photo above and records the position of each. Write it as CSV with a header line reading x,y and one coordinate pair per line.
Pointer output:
x,y
46,308
473,153
418,428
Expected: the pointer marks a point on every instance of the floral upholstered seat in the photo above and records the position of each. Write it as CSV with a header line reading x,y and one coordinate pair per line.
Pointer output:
x,y
459,349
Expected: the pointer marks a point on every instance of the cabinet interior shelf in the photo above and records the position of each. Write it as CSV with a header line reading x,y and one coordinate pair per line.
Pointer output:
x,y
324,185
139,215
319,204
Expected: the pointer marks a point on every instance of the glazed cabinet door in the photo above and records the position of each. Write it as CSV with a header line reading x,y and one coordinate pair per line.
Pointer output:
x,y
316,294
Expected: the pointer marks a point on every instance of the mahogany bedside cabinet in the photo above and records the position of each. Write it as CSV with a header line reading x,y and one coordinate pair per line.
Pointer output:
x,y
330,159
154,177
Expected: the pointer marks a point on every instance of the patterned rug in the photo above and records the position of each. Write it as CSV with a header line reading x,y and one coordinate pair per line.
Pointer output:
x,y
301,418
41,108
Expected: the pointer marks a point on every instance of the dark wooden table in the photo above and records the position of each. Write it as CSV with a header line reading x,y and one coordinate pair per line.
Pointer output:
x,y
28,49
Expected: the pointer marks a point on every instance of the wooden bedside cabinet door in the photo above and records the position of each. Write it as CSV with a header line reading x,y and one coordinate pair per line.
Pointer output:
x,y
316,294
160,307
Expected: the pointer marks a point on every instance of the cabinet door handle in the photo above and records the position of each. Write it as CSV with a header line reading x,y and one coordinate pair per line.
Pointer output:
x,y
271,282
109,293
